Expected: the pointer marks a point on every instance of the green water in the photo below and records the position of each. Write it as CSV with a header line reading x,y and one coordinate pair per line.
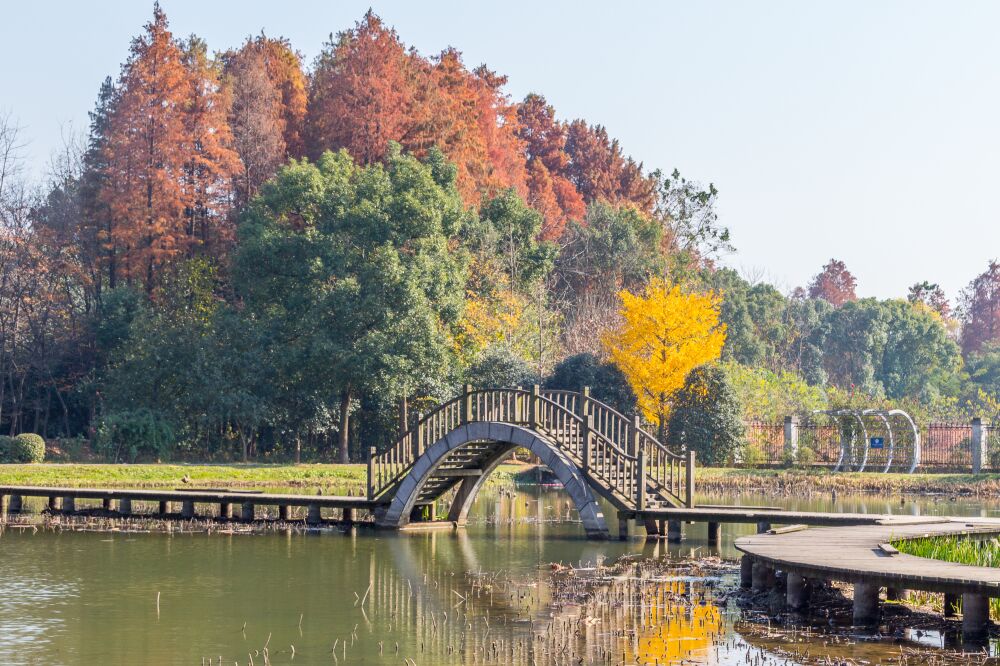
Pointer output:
x,y
483,595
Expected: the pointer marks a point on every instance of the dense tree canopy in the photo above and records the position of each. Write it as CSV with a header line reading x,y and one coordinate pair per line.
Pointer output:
x,y
186,283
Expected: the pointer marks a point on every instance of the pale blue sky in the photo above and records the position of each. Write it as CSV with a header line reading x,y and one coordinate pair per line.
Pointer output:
x,y
868,131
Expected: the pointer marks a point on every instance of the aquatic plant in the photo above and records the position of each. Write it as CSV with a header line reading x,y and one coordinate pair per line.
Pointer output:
x,y
959,549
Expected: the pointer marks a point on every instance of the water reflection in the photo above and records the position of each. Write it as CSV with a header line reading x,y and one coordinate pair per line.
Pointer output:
x,y
485,595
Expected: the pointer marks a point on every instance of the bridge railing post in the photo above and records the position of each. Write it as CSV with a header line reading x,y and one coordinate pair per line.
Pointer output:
x,y
533,406
467,403
418,437
588,441
371,473
689,481
584,402
640,485
633,440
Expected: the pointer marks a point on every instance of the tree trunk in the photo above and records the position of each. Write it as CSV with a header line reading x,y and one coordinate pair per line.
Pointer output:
x,y
298,448
345,414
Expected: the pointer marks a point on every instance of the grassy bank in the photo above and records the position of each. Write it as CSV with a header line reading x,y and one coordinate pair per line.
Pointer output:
x,y
341,477
781,482
714,480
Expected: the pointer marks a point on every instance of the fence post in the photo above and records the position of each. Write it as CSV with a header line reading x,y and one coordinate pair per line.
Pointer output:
x,y
371,473
588,440
640,486
689,481
533,406
791,438
467,403
979,440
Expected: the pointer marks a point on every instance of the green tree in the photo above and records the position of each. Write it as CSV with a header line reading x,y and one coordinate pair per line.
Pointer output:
x,y
889,347
607,383
503,241
706,417
355,271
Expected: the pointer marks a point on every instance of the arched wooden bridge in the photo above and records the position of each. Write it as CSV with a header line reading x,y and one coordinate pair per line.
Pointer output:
x,y
590,447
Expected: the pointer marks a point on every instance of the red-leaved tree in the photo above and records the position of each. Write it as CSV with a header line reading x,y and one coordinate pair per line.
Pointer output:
x,y
834,284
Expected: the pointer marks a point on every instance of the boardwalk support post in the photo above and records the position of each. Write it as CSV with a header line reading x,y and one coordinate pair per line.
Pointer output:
x,y
975,616
69,504
226,510
125,506
979,439
187,509
795,592
762,577
675,531
746,572
15,504
866,610
714,532
314,515
247,512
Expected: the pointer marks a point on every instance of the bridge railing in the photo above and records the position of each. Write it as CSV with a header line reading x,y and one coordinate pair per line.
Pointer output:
x,y
609,447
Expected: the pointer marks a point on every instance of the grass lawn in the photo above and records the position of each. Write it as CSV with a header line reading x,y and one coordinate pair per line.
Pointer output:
x,y
790,481
352,477
342,477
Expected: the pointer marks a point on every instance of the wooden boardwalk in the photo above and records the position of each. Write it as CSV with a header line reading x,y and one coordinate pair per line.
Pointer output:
x,y
737,514
121,499
863,555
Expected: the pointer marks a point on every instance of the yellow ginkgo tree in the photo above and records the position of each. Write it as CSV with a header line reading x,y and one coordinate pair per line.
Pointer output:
x,y
663,334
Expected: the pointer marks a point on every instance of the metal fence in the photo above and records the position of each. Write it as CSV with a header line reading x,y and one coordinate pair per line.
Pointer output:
x,y
944,445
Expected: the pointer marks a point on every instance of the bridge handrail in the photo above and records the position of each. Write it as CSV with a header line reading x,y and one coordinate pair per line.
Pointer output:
x,y
616,445
389,466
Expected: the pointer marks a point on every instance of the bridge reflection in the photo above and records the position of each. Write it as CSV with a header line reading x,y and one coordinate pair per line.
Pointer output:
x,y
435,589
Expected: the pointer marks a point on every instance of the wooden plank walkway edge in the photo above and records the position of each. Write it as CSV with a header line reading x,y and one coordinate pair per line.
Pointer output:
x,y
197,496
856,554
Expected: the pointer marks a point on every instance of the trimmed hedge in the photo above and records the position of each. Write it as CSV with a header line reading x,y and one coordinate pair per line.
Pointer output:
x,y
25,448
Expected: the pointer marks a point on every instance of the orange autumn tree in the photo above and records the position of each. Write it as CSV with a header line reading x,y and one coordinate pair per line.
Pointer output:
x,y
167,159
550,192
664,333
368,90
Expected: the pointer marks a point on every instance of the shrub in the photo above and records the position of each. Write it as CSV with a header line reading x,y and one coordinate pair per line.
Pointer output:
x,y
706,417
133,433
499,367
25,448
806,457
751,456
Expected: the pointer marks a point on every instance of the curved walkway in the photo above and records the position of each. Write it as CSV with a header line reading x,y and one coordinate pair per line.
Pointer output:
x,y
862,555
852,554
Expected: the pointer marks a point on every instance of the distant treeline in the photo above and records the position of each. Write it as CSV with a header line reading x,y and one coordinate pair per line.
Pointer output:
x,y
246,256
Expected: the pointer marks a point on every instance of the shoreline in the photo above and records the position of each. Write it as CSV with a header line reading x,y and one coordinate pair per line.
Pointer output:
x,y
352,478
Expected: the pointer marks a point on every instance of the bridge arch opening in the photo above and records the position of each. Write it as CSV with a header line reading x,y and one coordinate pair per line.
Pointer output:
x,y
496,440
